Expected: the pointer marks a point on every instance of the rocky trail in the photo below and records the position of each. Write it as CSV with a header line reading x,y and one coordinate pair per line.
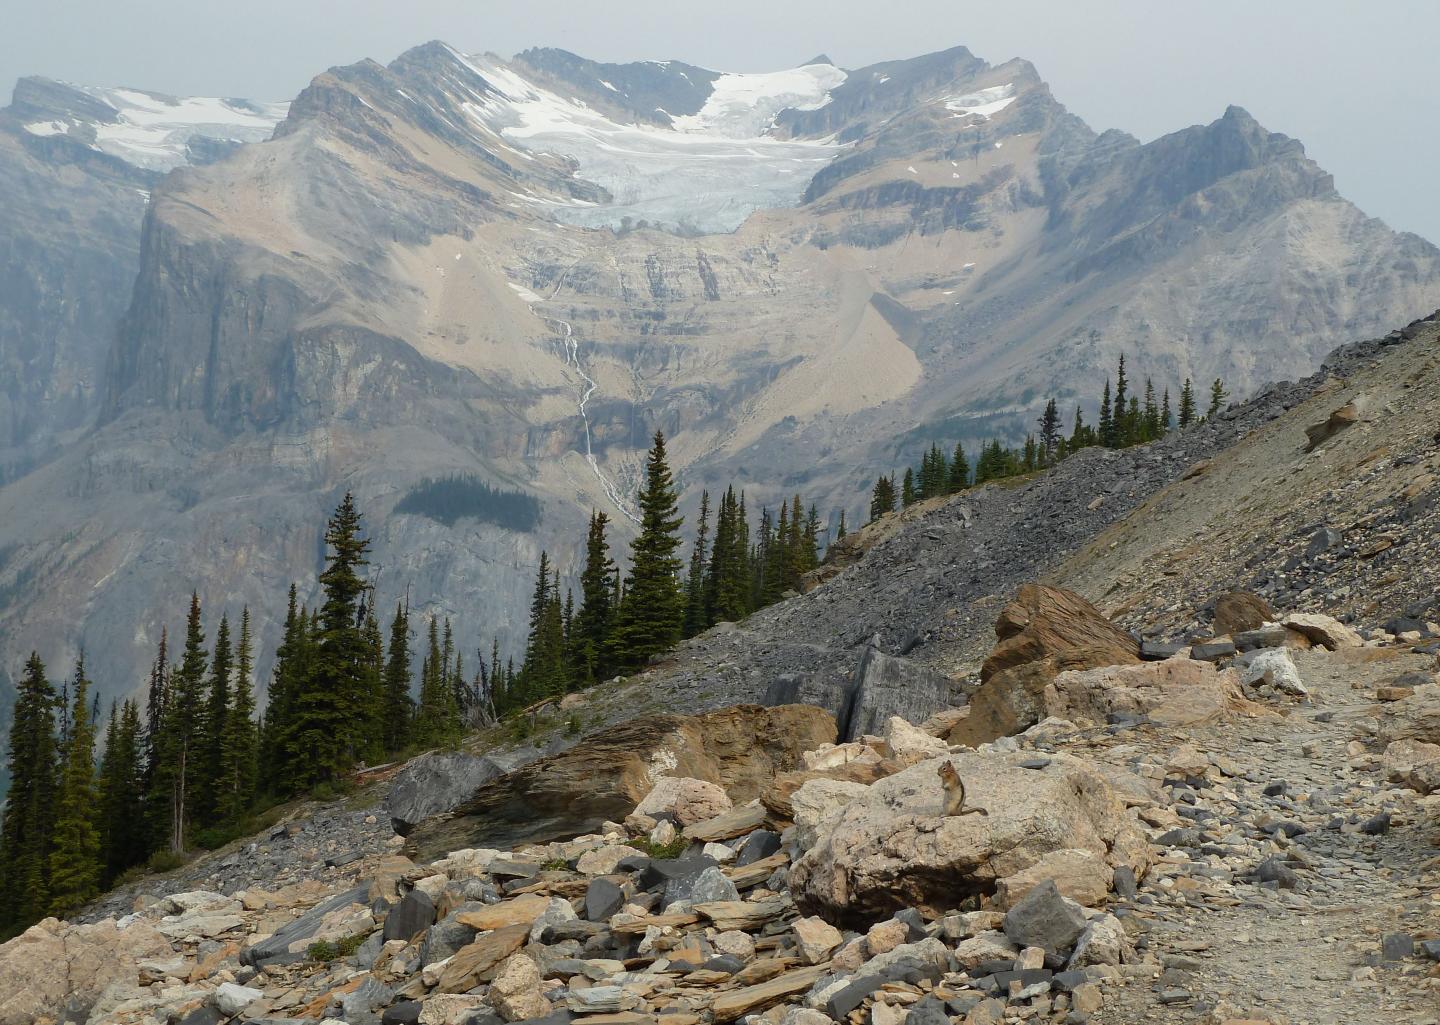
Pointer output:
x,y
1308,944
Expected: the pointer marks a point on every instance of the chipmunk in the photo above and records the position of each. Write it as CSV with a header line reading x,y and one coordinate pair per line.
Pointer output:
x,y
955,792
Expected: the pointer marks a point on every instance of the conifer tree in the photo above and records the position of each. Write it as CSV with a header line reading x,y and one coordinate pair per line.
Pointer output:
x,y
1124,426
1167,419
695,582
1218,395
729,586
653,613
286,681
840,530
398,706
27,826
882,499
908,494
123,837
1108,435
959,470
330,711
1030,458
155,706
75,853
181,759
238,749
597,604
1151,414
1049,433
1187,405
213,725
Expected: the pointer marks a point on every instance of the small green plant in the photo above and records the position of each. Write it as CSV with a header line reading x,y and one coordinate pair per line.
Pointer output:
x,y
334,950
555,865
573,726
165,861
661,852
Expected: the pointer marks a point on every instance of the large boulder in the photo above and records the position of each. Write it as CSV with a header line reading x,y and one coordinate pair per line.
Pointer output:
x,y
1043,632
607,774
1045,621
880,687
435,783
893,847
1239,611
1326,631
1414,717
1176,692
56,971
687,801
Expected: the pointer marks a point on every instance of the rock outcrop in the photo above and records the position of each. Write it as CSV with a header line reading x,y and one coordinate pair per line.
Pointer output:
x,y
435,783
740,748
893,845
1176,692
56,971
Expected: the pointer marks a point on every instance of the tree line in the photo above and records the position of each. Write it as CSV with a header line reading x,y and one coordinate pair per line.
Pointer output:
x,y
620,622
186,769
1126,418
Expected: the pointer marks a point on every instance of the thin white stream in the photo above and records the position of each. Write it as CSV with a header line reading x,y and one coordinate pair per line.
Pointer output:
x,y
572,359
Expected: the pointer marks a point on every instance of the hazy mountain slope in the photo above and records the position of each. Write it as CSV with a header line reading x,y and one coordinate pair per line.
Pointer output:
x,y
439,266
76,168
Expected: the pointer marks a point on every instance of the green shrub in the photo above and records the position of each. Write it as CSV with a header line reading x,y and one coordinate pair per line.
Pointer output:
x,y
661,852
327,950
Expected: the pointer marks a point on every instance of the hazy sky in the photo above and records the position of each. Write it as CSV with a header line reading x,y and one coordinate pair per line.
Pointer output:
x,y
1356,82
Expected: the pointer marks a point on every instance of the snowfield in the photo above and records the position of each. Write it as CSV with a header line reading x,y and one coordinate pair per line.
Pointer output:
x,y
986,103
154,131
706,174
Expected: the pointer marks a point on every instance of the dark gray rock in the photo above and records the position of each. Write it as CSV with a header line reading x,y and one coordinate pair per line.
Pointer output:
x,y
684,870
1212,651
276,949
1397,946
1159,651
203,1015
709,885
1274,870
724,963
413,915
1125,884
406,1012
884,686
602,899
360,1004
928,1011
1376,825
435,783
1270,636
1044,918
447,936
758,846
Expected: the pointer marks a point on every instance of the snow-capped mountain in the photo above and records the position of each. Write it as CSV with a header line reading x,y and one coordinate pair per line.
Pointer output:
x,y
518,268
150,131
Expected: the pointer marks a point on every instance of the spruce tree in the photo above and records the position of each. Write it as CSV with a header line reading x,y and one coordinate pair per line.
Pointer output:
x,y
180,757
239,750
1187,405
213,726
1151,416
1218,395
1049,432
286,680
695,583
398,705
882,499
597,604
959,471
27,826
1108,435
653,614
1167,419
329,715
1124,426
123,839
157,694
840,530
908,494
75,854
728,589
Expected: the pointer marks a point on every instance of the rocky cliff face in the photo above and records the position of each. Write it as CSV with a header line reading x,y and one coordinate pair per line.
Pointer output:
x,y
518,269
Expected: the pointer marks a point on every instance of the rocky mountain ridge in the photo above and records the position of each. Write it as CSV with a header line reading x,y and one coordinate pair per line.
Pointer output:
x,y
438,267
